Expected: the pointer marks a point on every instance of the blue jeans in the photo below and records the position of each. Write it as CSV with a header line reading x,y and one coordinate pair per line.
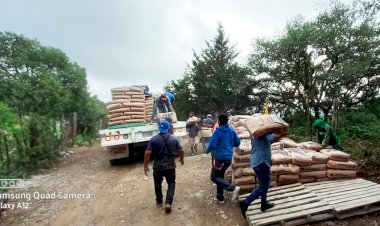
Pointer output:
x,y
263,175
217,176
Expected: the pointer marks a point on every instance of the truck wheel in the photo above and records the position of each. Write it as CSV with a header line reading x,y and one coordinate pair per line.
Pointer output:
x,y
112,162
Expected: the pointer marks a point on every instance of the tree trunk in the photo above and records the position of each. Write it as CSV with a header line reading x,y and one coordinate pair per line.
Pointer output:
x,y
7,152
335,111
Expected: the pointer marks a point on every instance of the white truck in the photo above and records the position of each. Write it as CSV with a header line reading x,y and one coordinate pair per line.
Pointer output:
x,y
125,142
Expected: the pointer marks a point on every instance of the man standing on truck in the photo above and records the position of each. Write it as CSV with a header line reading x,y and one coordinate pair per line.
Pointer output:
x,y
162,103
170,95
164,147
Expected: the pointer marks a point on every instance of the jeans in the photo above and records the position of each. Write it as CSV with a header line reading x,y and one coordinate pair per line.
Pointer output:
x,y
217,176
205,143
263,175
158,176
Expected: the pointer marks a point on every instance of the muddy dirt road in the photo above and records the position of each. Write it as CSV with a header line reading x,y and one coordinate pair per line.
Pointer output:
x,y
122,195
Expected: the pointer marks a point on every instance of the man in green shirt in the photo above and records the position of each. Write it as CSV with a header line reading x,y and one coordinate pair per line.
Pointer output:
x,y
326,135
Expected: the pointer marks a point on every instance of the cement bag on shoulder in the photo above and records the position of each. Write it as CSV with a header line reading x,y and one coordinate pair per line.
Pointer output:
x,y
263,124
341,165
336,155
332,173
206,132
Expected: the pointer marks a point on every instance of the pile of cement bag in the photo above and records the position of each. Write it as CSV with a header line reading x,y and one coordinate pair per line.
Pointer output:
x,y
148,107
127,106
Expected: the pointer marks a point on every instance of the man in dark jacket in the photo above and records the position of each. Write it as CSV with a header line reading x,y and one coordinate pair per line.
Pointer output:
x,y
193,128
162,104
164,147
223,140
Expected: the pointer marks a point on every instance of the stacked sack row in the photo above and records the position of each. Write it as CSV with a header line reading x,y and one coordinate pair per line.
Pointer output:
x,y
127,106
148,107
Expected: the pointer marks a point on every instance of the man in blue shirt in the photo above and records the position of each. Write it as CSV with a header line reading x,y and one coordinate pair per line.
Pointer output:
x,y
261,161
164,147
170,95
223,140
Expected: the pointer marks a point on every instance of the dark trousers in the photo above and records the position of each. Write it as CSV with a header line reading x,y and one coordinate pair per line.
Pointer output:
x,y
217,176
205,143
158,176
263,175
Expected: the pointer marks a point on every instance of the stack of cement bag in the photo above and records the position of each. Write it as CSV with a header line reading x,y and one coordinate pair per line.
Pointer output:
x,y
127,106
148,107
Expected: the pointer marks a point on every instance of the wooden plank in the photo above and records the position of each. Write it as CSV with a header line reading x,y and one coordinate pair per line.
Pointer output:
x,y
333,182
288,204
335,185
289,199
356,203
286,190
295,209
308,219
280,189
346,193
352,195
283,196
343,189
287,217
361,211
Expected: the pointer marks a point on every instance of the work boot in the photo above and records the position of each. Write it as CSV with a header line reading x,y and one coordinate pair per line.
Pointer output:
x,y
243,208
266,206
168,208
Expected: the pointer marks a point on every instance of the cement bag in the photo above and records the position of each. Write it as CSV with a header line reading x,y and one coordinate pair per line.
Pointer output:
x,y
122,110
136,89
120,101
246,188
240,129
288,143
172,115
248,171
133,105
288,177
282,183
138,109
298,158
280,157
120,118
115,115
134,113
336,155
316,157
314,167
242,158
310,145
114,106
273,184
244,135
238,172
263,124
117,93
323,179
313,174
306,180
134,120
244,148
277,146
332,173
138,116
285,169
116,123
235,165
131,93
342,165
120,97
206,132
245,180
192,120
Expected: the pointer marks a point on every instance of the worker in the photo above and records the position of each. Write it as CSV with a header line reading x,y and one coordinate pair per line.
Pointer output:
x,y
163,105
326,135
164,147
206,132
223,140
229,114
192,124
170,94
261,161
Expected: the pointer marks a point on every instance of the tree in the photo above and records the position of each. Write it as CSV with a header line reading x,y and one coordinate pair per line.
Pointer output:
x,y
214,82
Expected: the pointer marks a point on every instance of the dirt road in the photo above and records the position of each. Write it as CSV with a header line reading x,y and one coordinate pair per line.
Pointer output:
x,y
122,195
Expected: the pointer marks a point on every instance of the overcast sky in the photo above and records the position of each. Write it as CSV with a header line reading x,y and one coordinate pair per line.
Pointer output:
x,y
124,42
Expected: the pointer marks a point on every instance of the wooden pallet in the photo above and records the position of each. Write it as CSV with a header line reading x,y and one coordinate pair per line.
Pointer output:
x,y
295,205
349,197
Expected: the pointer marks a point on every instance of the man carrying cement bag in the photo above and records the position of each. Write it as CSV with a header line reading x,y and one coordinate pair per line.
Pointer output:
x,y
206,132
261,161
162,104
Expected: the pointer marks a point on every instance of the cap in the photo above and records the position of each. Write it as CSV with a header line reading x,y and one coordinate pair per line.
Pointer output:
x,y
163,97
209,116
164,126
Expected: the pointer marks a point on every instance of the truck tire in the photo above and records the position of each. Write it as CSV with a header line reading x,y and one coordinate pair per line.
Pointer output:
x,y
113,162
